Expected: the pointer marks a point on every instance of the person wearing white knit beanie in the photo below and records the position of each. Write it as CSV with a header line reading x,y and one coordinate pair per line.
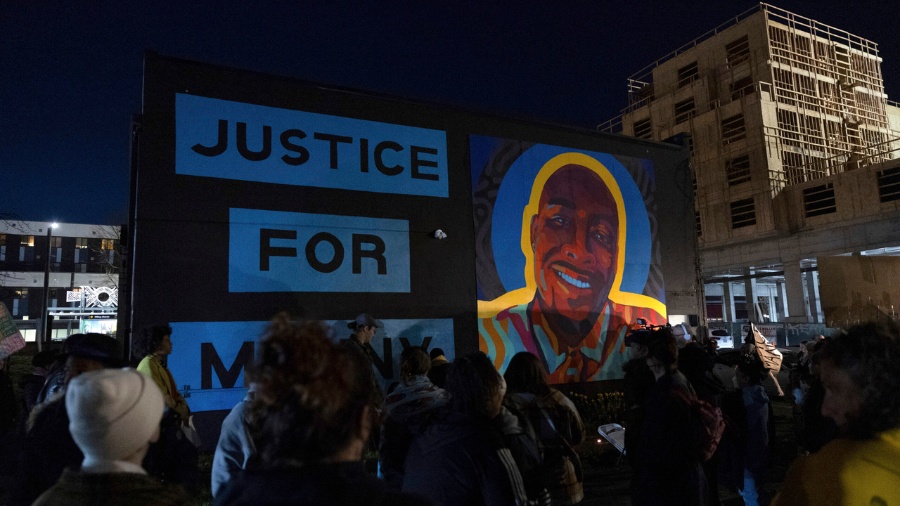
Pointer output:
x,y
114,415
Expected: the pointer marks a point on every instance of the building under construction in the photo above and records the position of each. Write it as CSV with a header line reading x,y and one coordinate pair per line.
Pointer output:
x,y
795,158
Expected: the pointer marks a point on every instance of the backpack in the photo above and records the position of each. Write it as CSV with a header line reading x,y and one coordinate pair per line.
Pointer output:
x,y
707,425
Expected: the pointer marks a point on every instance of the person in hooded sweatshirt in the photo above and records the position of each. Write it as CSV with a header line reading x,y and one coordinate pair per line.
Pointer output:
x,y
462,459
114,415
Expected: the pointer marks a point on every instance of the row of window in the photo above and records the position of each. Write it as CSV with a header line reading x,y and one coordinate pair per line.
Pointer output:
x,y
817,200
21,249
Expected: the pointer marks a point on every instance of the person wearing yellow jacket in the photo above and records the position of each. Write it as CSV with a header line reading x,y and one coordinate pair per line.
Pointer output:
x,y
860,369
156,344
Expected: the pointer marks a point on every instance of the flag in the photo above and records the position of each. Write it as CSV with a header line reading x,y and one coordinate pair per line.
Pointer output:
x,y
11,339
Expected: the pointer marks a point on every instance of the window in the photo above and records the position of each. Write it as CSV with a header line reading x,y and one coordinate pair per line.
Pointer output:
x,y
740,307
107,251
643,129
688,74
55,251
714,306
743,213
81,251
742,87
698,225
2,247
20,302
26,249
684,110
737,52
819,200
733,129
738,170
889,184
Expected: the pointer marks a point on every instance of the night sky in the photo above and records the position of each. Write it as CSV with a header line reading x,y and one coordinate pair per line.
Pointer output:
x,y
71,71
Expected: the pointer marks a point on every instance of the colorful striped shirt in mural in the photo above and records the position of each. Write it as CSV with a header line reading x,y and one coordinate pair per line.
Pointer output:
x,y
600,356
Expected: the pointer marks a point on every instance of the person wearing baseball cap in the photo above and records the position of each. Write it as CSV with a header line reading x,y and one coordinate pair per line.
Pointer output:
x,y
363,330
114,416
48,448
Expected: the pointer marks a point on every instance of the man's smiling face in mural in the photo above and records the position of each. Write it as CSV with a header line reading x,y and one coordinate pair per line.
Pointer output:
x,y
574,236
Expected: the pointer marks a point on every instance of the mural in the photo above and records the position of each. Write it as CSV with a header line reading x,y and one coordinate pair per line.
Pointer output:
x,y
567,255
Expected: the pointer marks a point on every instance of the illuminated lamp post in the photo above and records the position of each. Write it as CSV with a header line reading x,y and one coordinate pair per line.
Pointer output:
x,y
45,316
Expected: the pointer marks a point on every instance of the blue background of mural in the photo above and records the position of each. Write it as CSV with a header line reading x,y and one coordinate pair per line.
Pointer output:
x,y
294,274
229,337
196,120
513,196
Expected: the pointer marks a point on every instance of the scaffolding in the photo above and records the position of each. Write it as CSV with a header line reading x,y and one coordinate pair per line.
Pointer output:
x,y
829,94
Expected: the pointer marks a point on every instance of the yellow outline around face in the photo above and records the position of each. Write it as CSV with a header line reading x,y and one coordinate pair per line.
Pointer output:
x,y
526,294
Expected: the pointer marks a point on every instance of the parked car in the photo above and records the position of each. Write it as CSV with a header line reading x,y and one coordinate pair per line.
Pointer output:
x,y
723,337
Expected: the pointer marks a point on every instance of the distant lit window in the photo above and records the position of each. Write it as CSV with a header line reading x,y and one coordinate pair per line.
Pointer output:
x,y
107,244
684,110
26,249
81,250
743,213
688,74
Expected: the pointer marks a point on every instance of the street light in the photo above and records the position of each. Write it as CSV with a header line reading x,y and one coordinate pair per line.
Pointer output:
x,y
45,323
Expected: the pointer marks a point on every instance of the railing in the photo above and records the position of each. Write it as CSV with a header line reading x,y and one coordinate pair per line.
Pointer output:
x,y
612,126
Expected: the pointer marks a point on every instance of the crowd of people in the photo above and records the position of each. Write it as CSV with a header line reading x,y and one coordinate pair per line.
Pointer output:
x,y
316,427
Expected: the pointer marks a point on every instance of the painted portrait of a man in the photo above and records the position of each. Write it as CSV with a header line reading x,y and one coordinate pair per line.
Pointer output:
x,y
572,312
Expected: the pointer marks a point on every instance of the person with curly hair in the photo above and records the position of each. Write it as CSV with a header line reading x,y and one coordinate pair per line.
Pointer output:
x,y
860,370
310,419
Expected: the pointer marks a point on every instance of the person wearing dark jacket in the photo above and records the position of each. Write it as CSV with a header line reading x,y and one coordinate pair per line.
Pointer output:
x,y
668,470
462,458
556,422
363,330
756,429
409,409
115,415
439,367
48,447
310,419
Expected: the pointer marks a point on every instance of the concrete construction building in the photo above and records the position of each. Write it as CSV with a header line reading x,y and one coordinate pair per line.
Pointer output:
x,y
73,268
794,150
